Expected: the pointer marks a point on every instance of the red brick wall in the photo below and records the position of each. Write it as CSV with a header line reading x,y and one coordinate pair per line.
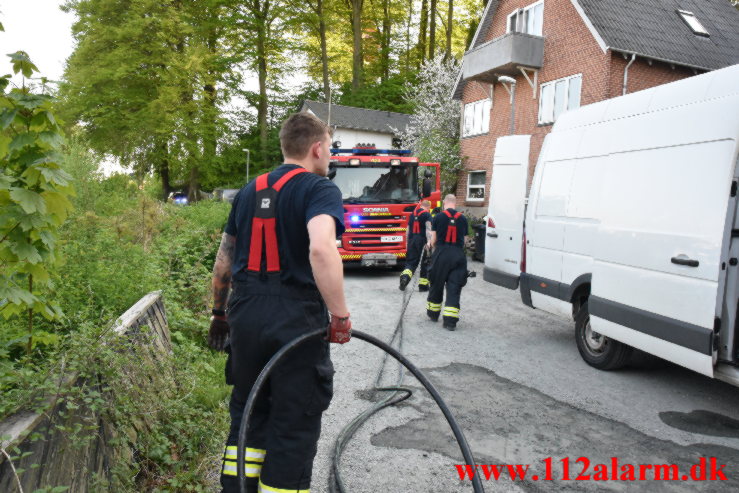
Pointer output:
x,y
569,49
642,75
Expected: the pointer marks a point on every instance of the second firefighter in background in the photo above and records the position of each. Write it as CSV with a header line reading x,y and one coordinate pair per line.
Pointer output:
x,y
448,263
419,236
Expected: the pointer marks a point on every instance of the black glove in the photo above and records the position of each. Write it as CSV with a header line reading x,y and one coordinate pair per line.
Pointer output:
x,y
218,332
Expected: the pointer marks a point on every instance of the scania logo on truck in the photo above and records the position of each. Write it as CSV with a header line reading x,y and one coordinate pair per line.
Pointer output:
x,y
375,209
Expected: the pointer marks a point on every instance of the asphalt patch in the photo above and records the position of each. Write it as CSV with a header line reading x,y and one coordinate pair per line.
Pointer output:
x,y
702,422
509,423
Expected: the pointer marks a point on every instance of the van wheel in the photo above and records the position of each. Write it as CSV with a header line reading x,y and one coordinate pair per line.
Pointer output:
x,y
597,350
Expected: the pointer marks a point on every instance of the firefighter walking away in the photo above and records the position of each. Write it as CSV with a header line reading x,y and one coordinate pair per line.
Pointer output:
x,y
448,264
419,237
279,256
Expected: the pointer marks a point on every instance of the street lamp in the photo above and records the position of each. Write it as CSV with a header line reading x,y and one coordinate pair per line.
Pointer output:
x,y
248,155
510,80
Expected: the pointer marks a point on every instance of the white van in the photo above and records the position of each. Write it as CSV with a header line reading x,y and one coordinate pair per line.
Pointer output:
x,y
631,224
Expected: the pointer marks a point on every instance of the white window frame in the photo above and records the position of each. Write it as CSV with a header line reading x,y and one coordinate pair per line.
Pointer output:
x,y
693,23
521,11
478,126
470,186
546,119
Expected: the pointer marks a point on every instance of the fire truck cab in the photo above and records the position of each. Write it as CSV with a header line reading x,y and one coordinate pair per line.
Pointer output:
x,y
380,189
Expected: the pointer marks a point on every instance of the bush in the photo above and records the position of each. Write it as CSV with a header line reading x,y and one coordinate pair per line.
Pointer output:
x,y
118,245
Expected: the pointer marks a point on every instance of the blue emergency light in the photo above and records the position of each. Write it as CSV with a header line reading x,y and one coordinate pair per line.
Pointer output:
x,y
354,218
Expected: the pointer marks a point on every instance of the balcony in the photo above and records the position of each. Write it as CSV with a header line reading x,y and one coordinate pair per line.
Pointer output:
x,y
503,56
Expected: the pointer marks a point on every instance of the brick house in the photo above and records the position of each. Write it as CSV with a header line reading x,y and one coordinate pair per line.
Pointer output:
x,y
567,53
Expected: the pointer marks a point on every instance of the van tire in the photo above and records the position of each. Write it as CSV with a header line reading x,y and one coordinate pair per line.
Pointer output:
x,y
598,351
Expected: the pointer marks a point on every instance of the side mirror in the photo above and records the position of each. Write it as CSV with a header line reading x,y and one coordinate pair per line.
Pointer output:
x,y
427,173
426,188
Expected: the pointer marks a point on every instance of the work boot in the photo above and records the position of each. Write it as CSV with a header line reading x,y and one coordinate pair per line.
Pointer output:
x,y
450,323
404,280
423,286
434,316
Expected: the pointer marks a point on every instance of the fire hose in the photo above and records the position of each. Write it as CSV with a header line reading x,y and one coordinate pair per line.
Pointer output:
x,y
354,425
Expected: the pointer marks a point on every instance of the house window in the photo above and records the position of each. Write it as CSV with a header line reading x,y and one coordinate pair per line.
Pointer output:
x,y
527,20
476,118
476,185
558,96
692,21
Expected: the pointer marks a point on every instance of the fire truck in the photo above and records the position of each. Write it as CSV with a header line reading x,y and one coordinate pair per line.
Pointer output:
x,y
380,189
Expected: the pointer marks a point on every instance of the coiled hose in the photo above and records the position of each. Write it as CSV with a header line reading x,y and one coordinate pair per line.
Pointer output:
x,y
354,425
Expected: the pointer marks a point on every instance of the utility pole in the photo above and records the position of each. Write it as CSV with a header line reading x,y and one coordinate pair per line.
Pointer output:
x,y
248,155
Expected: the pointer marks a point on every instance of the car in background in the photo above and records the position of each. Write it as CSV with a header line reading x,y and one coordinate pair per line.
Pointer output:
x,y
178,198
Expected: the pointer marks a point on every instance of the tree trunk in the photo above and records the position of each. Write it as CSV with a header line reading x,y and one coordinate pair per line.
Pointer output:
x,y
408,37
422,31
324,51
432,29
163,168
261,11
193,189
385,46
449,26
358,58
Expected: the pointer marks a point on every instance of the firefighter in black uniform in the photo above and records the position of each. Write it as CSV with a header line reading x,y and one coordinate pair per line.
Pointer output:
x,y
279,254
419,235
448,263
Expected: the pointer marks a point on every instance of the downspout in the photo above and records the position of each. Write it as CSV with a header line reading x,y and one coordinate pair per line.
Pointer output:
x,y
626,72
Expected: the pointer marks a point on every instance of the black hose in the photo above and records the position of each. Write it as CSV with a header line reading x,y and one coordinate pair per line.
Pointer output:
x,y
240,462
336,483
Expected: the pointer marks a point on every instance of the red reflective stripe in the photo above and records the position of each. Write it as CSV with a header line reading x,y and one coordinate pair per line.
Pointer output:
x,y
255,247
286,177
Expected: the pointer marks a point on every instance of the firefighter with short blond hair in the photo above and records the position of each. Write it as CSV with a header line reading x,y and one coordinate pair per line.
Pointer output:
x,y
279,253
448,263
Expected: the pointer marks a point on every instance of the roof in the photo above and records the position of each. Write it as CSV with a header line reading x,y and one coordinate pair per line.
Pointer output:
x,y
359,118
653,29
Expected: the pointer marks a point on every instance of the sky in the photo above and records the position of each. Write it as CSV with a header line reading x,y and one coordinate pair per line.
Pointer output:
x,y
42,30
39,28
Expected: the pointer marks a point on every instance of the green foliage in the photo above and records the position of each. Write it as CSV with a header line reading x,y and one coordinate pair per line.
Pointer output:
x,y
388,95
34,199
118,245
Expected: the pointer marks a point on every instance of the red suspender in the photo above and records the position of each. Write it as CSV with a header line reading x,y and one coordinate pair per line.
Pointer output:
x,y
416,224
263,223
451,229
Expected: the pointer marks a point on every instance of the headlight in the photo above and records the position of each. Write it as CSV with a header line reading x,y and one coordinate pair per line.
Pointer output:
x,y
395,162
338,243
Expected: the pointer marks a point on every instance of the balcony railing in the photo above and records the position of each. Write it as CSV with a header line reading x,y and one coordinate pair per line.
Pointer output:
x,y
503,56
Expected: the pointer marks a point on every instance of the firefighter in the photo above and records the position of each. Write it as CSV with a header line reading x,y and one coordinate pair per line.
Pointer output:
x,y
279,254
419,235
448,263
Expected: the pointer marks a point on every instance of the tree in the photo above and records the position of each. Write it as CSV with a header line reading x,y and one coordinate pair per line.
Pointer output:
x,y
433,134
34,196
152,100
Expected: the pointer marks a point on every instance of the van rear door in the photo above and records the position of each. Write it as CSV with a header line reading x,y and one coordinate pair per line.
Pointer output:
x,y
506,211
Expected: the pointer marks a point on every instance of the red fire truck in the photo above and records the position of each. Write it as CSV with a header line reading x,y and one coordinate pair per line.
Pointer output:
x,y
380,189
